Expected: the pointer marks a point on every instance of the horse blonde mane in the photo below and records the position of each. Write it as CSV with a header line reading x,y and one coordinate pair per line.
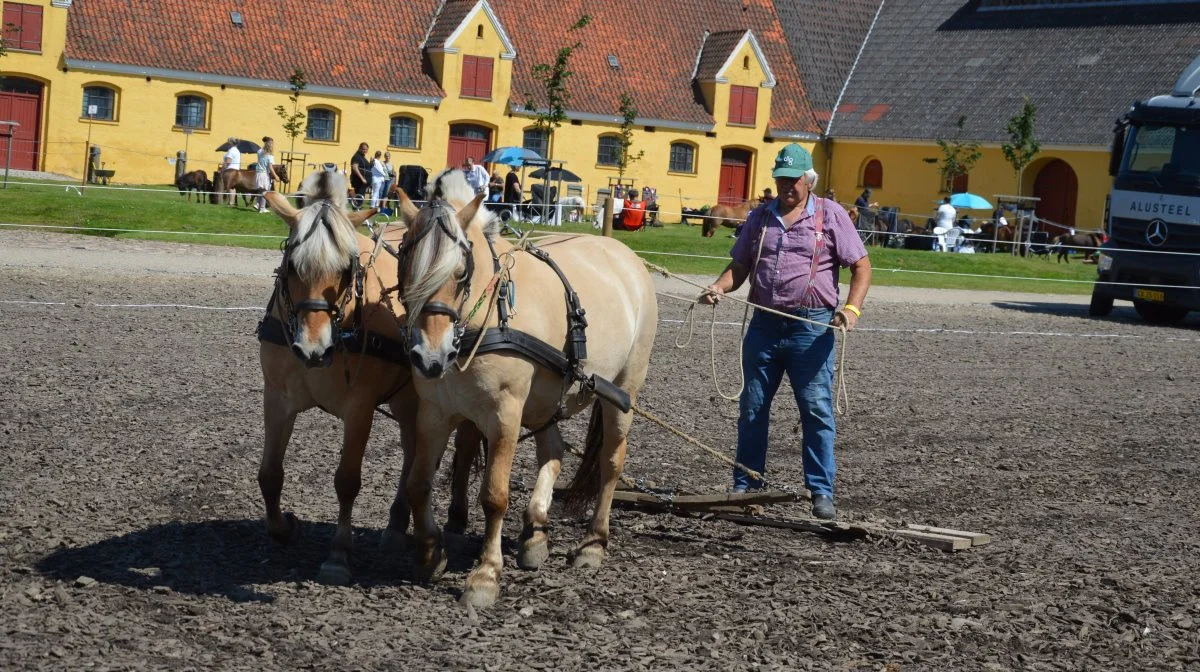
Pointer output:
x,y
435,259
323,240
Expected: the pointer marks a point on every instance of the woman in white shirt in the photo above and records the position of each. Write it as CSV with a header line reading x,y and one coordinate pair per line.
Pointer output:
x,y
379,177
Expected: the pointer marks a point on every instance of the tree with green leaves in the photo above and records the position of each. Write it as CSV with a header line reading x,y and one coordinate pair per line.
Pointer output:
x,y
628,114
1024,145
553,78
958,157
294,122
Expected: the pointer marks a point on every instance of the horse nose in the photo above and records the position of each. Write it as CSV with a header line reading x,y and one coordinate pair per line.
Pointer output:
x,y
314,360
426,369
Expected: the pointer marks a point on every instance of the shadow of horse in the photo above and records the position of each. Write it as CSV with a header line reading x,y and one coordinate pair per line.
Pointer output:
x,y
233,559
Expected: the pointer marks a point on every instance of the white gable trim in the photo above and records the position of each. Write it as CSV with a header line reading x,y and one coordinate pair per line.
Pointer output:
x,y
509,52
769,82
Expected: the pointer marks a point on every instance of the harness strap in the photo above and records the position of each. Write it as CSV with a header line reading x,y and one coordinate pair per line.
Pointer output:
x,y
576,320
271,330
818,246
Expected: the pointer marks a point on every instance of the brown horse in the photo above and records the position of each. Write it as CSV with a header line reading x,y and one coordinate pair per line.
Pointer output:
x,y
729,216
448,256
233,182
195,181
331,339
988,232
1085,243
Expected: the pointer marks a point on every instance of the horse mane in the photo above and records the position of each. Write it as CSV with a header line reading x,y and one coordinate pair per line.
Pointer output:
x,y
323,240
435,259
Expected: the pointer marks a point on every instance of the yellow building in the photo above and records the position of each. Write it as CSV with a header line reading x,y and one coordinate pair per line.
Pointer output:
x,y
431,87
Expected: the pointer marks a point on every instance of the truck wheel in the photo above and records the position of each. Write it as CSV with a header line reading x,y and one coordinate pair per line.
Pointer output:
x,y
1101,305
1156,313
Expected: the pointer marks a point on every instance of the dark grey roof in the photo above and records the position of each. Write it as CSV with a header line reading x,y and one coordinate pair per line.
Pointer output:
x,y
824,36
448,19
929,62
715,52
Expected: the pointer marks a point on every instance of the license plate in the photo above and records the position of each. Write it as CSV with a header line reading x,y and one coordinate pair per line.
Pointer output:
x,y
1150,295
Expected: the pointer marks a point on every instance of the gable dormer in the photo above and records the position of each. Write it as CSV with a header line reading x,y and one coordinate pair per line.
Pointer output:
x,y
734,78
469,51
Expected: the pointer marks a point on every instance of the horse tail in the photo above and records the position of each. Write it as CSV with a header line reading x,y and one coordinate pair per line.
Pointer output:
x,y
585,486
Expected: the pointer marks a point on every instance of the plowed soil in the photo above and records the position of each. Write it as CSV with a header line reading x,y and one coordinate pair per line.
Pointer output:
x,y
131,533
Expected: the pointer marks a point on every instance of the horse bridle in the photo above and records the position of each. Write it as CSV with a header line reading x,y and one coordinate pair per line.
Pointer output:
x,y
352,287
444,219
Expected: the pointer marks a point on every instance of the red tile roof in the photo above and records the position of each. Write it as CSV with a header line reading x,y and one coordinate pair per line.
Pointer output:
x,y
366,44
716,52
340,44
656,44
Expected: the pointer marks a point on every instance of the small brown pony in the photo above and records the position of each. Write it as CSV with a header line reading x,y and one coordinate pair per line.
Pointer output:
x,y
196,181
1086,243
331,339
728,216
233,182
453,256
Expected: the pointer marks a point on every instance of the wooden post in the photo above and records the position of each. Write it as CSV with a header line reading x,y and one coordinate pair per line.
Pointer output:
x,y
608,216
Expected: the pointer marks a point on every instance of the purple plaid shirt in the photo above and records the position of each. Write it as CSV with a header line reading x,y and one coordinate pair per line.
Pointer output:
x,y
782,276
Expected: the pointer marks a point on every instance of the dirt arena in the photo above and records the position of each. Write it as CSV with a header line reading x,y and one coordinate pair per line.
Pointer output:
x,y
131,533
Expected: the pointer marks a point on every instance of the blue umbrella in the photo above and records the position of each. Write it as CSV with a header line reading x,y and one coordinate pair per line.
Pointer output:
x,y
510,156
969,201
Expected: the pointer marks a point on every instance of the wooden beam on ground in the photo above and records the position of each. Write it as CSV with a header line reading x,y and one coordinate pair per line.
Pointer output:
x,y
977,538
703,502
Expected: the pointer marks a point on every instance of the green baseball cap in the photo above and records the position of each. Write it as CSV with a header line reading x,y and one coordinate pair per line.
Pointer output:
x,y
792,161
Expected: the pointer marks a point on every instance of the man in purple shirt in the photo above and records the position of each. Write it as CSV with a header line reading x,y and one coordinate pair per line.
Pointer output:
x,y
794,247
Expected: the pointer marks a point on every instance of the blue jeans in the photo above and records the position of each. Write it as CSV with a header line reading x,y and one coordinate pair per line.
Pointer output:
x,y
775,345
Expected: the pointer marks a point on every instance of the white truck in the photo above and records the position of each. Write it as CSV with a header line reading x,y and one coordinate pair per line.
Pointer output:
x,y
1152,256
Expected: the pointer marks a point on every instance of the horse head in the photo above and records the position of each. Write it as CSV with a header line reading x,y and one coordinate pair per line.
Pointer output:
x,y
282,171
317,280
437,266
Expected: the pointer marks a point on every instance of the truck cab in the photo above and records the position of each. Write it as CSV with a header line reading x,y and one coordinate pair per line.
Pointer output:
x,y
1152,256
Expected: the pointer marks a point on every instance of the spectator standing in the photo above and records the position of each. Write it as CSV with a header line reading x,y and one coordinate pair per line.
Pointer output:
x,y
265,172
233,156
495,187
360,173
477,176
379,177
512,186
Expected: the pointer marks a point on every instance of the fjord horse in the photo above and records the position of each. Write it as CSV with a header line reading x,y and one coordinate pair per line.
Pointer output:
x,y
331,286
450,257
728,216
195,181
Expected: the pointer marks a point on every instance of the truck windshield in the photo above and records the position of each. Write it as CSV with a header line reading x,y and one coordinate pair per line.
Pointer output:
x,y
1165,153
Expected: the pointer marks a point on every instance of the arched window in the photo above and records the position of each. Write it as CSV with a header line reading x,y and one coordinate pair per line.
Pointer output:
x,y
745,62
191,111
322,124
608,152
536,140
101,101
479,31
872,174
683,158
403,132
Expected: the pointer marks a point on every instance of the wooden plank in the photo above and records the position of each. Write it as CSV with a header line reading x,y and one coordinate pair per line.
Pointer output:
x,y
977,538
700,502
941,542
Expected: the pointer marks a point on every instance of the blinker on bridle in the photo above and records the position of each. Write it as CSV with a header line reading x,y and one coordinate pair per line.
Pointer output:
x,y
443,218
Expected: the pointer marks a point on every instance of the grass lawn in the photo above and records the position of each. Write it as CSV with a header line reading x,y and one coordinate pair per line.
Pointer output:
x,y
162,210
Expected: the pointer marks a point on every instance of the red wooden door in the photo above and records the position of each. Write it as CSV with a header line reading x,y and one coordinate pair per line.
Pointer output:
x,y
26,110
467,140
735,173
1058,188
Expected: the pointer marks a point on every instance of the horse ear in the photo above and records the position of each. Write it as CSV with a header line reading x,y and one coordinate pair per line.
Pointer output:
x,y
282,207
468,213
357,217
408,211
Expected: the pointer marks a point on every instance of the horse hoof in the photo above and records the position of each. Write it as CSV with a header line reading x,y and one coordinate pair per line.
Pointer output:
x,y
334,574
290,534
393,542
588,557
480,597
431,571
454,526
531,557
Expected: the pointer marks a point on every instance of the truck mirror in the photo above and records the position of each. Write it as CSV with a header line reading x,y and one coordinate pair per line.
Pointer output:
x,y
1118,150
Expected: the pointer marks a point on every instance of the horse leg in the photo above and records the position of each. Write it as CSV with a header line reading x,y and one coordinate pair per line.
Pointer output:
x,y
467,442
393,539
483,583
279,418
535,540
347,481
615,424
433,431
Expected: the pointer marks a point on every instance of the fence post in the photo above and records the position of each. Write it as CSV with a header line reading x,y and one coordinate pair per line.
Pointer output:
x,y
609,203
180,165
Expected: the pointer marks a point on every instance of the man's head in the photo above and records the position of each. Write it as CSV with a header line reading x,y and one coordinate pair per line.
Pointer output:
x,y
767,193
470,162
362,148
232,140
794,175
387,156
946,200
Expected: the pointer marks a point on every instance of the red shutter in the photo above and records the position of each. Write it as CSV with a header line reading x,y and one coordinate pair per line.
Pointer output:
x,y
27,19
468,76
483,78
749,104
735,104
959,184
